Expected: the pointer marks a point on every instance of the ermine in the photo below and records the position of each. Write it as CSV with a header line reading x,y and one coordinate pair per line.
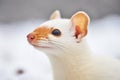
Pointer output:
x,y
64,42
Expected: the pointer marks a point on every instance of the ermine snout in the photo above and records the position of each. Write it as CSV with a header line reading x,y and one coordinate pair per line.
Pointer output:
x,y
30,37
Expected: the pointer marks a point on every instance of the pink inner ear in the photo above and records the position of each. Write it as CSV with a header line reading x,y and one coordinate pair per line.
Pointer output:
x,y
77,31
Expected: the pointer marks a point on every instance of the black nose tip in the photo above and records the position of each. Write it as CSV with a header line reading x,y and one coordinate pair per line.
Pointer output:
x,y
30,37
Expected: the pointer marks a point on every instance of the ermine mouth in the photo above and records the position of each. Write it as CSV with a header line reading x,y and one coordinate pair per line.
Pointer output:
x,y
40,46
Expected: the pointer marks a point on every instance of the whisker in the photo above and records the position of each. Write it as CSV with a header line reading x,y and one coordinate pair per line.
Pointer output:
x,y
57,44
60,45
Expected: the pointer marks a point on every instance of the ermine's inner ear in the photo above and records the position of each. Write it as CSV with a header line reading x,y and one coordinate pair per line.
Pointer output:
x,y
80,21
55,15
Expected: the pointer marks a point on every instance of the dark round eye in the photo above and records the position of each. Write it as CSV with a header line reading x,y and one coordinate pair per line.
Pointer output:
x,y
56,32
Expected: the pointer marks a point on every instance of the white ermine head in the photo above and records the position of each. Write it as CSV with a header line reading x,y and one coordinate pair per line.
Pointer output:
x,y
59,34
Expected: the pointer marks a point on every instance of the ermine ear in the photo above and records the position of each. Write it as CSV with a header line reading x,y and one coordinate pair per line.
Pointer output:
x,y
80,21
55,15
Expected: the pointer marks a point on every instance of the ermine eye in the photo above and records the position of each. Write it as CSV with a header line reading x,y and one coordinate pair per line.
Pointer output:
x,y
56,32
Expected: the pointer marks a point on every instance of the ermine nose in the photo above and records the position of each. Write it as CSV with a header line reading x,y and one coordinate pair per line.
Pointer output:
x,y
30,37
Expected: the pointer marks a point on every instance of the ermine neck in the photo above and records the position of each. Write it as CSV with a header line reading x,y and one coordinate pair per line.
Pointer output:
x,y
69,64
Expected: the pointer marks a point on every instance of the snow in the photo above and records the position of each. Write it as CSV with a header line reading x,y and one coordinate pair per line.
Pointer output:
x,y
104,35
16,54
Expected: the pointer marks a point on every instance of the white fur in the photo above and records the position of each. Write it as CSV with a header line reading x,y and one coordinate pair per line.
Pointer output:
x,y
55,15
75,61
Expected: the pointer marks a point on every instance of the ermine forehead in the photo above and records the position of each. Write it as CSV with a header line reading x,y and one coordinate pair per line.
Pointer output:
x,y
57,23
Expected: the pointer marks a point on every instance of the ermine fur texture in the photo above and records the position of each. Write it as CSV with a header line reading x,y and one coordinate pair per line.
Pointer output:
x,y
64,42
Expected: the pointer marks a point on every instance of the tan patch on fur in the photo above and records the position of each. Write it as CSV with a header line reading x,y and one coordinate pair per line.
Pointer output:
x,y
41,33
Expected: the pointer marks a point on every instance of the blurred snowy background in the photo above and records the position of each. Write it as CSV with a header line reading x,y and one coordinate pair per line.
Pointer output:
x,y
20,61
